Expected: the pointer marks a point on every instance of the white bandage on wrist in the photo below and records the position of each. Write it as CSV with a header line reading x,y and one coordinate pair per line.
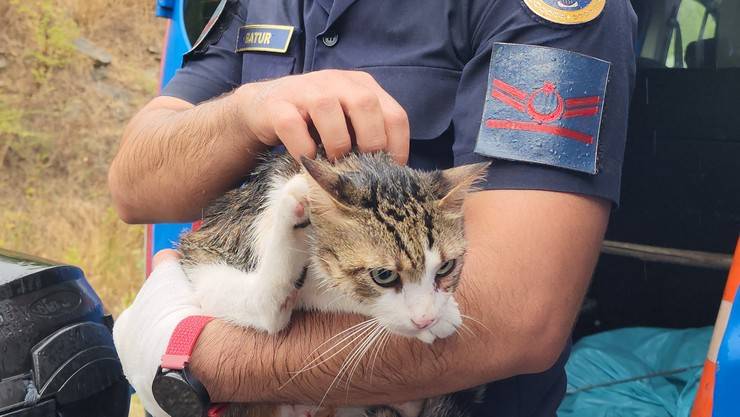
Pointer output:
x,y
142,331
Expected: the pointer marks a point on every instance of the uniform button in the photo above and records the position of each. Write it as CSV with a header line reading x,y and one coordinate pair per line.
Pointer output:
x,y
330,39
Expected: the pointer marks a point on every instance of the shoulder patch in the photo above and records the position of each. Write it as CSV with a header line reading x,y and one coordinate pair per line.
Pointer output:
x,y
565,12
214,28
543,105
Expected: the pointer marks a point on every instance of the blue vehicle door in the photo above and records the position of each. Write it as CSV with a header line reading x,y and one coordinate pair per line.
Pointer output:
x,y
185,21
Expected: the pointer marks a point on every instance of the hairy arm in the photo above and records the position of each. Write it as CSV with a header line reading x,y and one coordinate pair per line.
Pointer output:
x,y
531,255
174,157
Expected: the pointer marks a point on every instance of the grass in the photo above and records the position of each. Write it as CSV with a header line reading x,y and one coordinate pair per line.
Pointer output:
x,y
60,121
69,229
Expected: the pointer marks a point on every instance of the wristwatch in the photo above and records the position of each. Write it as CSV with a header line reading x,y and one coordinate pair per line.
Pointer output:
x,y
177,391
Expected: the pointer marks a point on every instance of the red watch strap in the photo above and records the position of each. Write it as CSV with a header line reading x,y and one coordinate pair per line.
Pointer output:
x,y
182,342
217,410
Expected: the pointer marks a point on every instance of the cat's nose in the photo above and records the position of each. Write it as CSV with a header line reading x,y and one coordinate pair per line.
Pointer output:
x,y
423,322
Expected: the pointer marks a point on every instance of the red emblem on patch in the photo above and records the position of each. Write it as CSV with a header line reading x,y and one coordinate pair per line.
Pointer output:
x,y
545,107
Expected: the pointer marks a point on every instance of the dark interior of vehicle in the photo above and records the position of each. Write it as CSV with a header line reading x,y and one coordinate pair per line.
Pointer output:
x,y
681,183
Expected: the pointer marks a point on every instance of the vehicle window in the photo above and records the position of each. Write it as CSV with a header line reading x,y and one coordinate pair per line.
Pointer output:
x,y
689,33
694,25
197,13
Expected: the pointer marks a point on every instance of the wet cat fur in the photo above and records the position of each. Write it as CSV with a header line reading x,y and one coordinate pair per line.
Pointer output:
x,y
361,203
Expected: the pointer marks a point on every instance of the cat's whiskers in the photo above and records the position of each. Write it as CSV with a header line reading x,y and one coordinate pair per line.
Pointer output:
x,y
322,259
378,347
368,344
356,354
355,332
463,335
349,329
355,335
334,381
476,321
467,329
325,284
325,287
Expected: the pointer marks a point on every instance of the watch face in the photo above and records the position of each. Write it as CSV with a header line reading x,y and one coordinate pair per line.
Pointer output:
x,y
177,397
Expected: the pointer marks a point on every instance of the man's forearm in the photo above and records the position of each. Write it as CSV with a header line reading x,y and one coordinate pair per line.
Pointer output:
x,y
403,370
175,157
530,258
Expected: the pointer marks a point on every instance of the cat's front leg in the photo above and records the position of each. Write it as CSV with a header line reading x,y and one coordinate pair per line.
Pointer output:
x,y
283,250
264,297
281,233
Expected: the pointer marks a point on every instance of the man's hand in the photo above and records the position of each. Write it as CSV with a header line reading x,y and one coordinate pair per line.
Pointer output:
x,y
141,333
341,106
176,157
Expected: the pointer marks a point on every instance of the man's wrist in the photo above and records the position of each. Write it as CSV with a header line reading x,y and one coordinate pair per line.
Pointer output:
x,y
240,365
243,102
175,388
210,363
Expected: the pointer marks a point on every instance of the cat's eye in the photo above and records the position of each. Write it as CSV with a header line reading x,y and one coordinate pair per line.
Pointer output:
x,y
446,268
384,277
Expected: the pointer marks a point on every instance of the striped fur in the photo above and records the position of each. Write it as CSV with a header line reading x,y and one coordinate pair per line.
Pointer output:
x,y
365,212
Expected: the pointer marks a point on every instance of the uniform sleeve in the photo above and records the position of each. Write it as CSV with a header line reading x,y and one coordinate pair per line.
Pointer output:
x,y
213,67
610,37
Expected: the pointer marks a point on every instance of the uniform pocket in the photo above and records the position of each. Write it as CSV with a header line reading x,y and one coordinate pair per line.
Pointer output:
x,y
257,66
426,93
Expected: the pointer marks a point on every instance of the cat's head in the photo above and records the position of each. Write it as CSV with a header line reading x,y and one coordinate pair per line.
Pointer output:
x,y
392,238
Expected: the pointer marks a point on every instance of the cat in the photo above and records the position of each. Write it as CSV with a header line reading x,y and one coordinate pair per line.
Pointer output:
x,y
363,235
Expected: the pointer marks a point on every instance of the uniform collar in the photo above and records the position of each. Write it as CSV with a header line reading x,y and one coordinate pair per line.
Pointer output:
x,y
338,7
325,4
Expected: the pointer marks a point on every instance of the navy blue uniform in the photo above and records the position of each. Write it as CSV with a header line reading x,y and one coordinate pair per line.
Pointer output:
x,y
433,57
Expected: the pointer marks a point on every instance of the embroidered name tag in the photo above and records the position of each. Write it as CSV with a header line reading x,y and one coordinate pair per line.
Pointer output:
x,y
266,38
544,106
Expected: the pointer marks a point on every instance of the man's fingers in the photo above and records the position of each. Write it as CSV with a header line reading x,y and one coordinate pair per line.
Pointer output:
x,y
339,106
397,130
163,256
291,128
363,108
394,117
328,119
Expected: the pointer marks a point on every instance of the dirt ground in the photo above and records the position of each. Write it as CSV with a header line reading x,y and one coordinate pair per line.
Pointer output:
x,y
61,116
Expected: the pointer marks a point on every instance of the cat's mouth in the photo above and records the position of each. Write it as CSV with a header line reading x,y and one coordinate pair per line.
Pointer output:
x,y
409,331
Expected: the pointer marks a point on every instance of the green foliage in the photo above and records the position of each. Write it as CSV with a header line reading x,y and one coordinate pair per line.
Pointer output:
x,y
53,33
10,121
11,129
25,144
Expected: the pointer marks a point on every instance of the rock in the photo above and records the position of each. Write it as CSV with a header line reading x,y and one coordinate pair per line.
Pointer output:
x,y
98,54
3,61
113,91
99,73
153,50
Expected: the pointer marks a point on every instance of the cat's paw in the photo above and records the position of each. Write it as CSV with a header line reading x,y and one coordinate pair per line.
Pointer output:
x,y
426,336
443,329
295,201
449,321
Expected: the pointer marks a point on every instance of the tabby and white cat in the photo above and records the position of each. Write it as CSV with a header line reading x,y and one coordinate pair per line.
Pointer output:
x,y
364,235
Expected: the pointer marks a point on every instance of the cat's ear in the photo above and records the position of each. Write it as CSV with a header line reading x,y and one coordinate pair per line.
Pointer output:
x,y
457,182
328,180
